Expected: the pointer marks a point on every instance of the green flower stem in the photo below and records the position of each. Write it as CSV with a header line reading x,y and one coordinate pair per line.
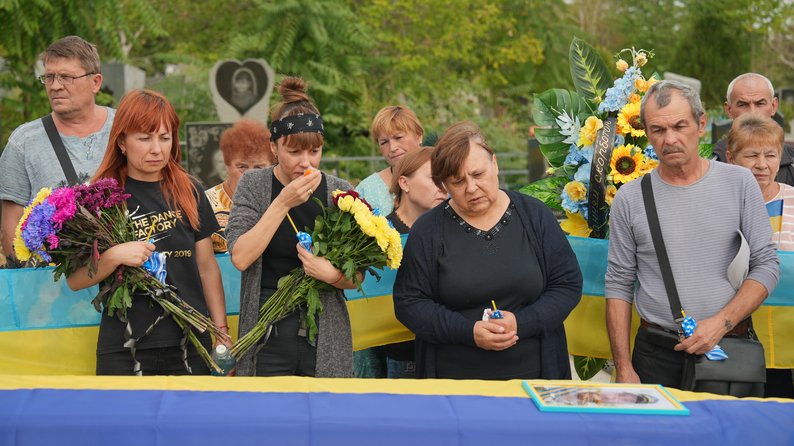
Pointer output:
x,y
291,293
200,348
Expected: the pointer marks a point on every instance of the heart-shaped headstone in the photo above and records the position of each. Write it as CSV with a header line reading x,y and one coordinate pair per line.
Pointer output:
x,y
242,85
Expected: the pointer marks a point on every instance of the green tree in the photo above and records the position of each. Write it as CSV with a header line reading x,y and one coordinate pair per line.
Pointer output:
x,y
30,27
713,49
321,41
464,59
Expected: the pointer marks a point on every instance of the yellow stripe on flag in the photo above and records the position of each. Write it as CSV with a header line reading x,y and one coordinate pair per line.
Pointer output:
x,y
373,323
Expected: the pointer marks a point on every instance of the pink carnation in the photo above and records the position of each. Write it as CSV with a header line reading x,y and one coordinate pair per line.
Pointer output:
x,y
65,206
53,241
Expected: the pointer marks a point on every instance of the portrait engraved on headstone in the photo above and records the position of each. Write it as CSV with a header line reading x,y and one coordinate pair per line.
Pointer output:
x,y
204,158
241,89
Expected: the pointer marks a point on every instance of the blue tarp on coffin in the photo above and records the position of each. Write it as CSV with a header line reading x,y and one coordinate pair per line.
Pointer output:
x,y
157,417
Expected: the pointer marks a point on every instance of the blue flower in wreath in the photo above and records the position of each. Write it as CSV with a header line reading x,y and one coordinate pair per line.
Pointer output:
x,y
583,174
583,208
650,153
568,203
574,156
618,94
587,153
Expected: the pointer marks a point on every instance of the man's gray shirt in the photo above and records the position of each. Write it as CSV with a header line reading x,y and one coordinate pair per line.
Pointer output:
x,y
699,224
29,163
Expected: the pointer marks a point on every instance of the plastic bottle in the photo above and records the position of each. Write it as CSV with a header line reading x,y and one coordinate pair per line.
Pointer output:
x,y
223,357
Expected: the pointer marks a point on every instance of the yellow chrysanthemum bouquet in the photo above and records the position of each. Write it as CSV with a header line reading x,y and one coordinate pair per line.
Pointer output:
x,y
592,137
353,238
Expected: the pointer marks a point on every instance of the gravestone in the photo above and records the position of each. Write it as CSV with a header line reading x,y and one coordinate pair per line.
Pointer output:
x,y
786,95
536,163
786,100
695,84
119,78
204,158
720,129
242,89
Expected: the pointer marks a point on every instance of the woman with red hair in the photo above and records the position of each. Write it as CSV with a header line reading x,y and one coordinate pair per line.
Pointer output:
x,y
172,215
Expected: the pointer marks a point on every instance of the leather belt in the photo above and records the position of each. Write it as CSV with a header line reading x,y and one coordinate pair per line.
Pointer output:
x,y
739,330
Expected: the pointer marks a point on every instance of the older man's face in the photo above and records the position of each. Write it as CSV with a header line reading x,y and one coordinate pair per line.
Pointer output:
x,y
78,95
751,95
673,131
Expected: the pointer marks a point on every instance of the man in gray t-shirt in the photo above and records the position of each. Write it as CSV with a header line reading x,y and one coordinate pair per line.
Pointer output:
x,y
701,205
28,162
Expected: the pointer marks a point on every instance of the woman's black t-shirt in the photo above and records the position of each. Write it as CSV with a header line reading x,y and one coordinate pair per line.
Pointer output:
x,y
173,236
280,256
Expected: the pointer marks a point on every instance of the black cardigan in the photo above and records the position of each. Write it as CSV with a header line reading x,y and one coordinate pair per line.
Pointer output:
x,y
416,288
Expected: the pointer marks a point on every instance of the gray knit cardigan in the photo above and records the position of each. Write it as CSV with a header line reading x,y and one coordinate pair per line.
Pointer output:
x,y
334,340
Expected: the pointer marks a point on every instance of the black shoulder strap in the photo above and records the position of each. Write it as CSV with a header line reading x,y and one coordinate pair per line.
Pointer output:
x,y
60,150
661,250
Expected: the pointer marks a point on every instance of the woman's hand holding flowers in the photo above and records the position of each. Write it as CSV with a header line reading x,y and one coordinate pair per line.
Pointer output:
x,y
132,254
223,337
319,268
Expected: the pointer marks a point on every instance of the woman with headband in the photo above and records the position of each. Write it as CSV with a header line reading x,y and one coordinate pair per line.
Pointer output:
x,y
263,246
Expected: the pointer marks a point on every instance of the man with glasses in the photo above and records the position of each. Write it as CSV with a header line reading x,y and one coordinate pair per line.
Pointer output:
x,y
31,159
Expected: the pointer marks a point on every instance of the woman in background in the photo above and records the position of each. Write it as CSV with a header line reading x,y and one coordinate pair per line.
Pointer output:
x,y
756,142
414,194
143,155
396,131
246,145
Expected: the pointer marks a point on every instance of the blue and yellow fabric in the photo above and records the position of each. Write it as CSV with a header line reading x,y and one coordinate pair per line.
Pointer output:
x,y
141,411
775,211
46,329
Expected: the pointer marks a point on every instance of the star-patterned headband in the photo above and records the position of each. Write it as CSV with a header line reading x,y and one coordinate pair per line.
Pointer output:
x,y
300,123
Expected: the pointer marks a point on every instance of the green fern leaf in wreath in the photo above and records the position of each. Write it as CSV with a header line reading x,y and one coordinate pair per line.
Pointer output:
x,y
589,71
547,107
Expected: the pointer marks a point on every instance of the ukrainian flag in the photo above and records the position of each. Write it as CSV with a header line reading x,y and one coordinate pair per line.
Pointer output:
x,y
47,329
775,211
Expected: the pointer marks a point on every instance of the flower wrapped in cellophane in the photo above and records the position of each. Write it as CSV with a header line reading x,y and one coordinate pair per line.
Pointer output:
x,y
592,137
70,226
353,238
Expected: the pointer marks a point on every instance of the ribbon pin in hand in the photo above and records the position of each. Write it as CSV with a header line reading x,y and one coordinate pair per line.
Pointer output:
x,y
688,325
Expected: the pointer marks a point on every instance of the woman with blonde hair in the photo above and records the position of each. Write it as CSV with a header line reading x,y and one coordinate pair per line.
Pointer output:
x,y
756,142
397,131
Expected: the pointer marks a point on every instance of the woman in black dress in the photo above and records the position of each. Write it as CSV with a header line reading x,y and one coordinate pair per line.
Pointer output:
x,y
485,244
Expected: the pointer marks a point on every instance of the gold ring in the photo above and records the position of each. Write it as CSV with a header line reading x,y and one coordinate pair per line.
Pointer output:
x,y
310,191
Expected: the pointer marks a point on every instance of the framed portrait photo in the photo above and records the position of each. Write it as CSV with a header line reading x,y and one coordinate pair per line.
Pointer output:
x,y
603,398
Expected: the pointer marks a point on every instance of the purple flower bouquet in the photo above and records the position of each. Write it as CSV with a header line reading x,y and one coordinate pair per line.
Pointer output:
x,y
70,226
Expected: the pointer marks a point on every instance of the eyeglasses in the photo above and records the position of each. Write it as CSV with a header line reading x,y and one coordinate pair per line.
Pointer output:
x,y
48,79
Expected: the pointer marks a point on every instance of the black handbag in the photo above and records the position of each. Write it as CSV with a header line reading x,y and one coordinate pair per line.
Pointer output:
x,y
743,374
